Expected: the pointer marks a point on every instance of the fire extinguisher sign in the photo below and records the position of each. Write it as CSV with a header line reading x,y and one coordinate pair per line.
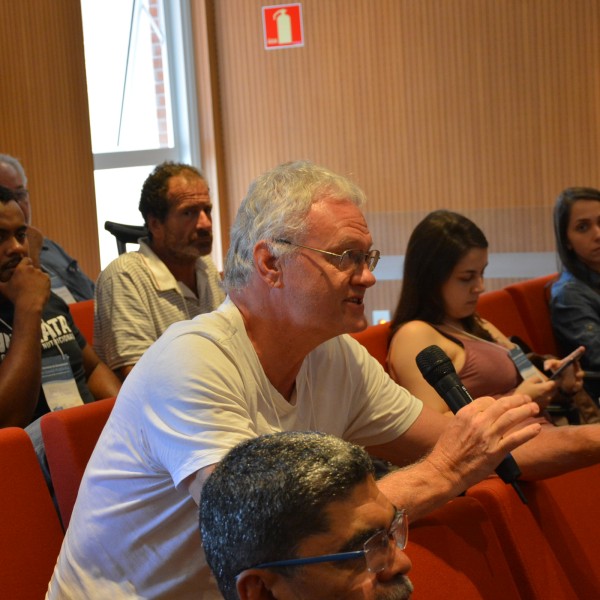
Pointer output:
x,y
282,25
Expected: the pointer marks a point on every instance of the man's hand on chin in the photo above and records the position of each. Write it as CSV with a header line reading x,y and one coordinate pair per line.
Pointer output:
x,y
28,286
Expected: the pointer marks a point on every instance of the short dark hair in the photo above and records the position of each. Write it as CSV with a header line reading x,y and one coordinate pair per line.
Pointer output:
x,y
271,492
434,248
153,199
562,214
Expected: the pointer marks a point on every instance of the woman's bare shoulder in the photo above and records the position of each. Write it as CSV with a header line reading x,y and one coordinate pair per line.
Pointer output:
x,y
411,328
416,335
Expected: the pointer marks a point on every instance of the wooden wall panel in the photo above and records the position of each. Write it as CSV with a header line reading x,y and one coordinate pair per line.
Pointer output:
x,y
486,107
209,113
45,123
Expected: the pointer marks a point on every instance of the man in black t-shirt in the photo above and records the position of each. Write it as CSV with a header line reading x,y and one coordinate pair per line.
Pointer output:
x,y
37,334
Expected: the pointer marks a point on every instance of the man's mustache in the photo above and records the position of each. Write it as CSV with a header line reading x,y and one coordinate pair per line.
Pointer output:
x,y
7,267
12,263
204,235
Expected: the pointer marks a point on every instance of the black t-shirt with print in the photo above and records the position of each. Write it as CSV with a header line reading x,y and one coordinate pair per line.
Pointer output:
x,y
58,335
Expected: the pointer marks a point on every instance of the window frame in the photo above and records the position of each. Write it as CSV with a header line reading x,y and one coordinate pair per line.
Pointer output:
x,y
186,138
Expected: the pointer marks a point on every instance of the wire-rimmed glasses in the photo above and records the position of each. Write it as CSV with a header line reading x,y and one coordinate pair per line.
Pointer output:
x,y
349,260
378,550
20,194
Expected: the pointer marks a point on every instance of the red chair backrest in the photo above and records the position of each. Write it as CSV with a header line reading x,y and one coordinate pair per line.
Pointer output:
x,y
531,297
30,531
375,339
70,437
566,508
456,555
535,565
499,308
83,315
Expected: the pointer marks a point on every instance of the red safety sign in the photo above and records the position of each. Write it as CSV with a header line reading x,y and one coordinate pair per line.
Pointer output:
x,y
282,25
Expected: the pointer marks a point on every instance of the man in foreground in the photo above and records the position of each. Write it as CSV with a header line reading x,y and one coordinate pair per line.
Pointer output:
x,y
308,522
170,278
271,358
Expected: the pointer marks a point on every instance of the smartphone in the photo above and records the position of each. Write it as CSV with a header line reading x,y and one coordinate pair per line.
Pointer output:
x,y
568,360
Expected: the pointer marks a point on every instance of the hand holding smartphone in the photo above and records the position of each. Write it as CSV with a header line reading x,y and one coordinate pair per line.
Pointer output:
x,y
568,360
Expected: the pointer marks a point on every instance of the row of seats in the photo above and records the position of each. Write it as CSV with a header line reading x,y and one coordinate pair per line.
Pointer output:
x,y
31,530
485,545
498,546
520,309
491,545
552,543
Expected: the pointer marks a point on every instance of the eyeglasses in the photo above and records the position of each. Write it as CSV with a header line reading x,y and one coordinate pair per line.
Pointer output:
x,y
10,194
377,550
350,260
20,194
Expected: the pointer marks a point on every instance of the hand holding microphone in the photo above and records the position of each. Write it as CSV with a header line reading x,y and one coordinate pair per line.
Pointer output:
x,y
439,372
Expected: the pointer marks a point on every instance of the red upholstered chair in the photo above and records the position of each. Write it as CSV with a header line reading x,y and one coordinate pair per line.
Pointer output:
x,y
70,436
499,308
565,508
30,531
456,555
531,297
375,339
83,315
537,567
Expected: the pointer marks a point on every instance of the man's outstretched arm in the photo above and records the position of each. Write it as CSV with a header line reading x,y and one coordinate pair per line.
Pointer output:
x,y
453,454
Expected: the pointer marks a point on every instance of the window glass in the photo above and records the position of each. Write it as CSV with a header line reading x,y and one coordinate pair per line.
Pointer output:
x,y
127,75
122,187
139,67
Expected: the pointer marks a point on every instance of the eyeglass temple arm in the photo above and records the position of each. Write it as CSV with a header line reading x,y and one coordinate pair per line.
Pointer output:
x,y
309,560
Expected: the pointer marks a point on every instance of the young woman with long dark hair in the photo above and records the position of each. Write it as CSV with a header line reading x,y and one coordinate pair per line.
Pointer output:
x,y
443,278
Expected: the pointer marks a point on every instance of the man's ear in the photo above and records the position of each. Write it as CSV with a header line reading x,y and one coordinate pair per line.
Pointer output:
x,y
153,224
255,584
268,266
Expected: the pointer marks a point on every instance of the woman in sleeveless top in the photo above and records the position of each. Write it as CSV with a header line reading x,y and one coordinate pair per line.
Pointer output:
x,y
443,278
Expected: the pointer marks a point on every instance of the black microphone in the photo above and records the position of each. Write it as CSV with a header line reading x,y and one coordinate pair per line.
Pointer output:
x,y
439,372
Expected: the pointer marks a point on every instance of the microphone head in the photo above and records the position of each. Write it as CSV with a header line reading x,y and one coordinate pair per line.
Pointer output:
x,y
434,364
